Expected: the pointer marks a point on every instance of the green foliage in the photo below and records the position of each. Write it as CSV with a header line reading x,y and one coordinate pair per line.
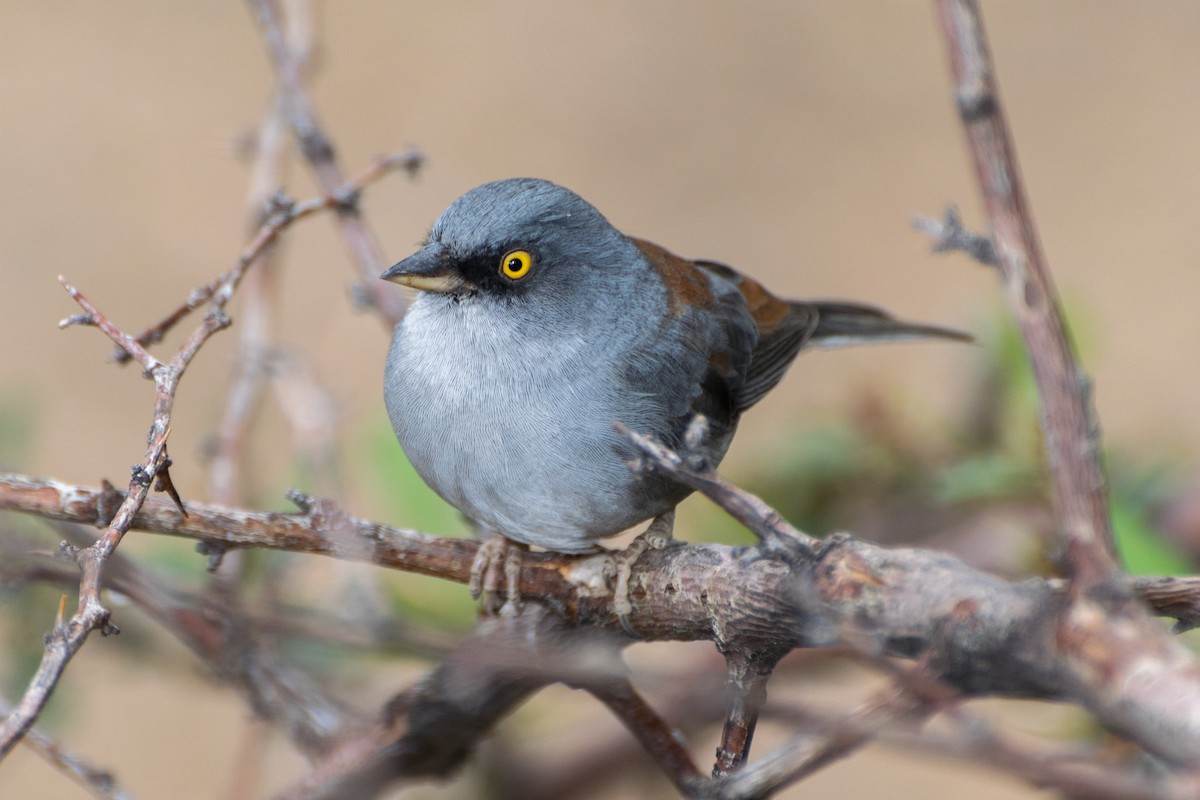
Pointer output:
x,y
18,426
1134,494
399,490
396,487
986,476
1142,550
823,470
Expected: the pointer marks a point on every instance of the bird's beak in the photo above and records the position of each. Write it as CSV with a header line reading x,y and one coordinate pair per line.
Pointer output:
x,y
430,270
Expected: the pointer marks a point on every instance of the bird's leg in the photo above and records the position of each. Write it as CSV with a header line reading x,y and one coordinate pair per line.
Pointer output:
x,y
497,555
655,537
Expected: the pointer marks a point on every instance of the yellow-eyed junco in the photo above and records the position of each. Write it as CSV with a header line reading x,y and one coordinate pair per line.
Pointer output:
x,y
539,325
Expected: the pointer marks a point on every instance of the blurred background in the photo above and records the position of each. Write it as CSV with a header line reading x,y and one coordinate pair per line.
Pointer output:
x,y
795,141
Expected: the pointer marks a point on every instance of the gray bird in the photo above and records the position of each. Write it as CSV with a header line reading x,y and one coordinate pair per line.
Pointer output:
x,y
538,325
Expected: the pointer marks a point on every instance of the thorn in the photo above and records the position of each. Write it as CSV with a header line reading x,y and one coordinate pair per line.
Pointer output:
x,y
219,319
77,319
215,551
280,203
165,484
302,501
346,198
107,503
62,612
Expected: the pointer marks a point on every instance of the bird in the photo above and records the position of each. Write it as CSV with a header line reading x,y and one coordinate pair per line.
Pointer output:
x,y
538,327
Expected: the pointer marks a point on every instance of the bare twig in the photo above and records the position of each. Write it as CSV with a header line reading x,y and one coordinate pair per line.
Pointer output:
x,y
976,741
690,695
748,678
892,717
429,729
224,637
65,639
1068,419
775,533
97,781
948,235
654,733
1178,598
318,150
281,214
812,750
1105,635
254,336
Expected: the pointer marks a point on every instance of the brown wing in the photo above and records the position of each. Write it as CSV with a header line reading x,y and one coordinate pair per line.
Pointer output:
x,y
710,335
785,328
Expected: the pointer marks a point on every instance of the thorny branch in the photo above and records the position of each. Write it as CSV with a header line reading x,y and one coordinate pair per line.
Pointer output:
x,y
318,150
983,634
1108,637
66,637
1068,419
225,638
281,213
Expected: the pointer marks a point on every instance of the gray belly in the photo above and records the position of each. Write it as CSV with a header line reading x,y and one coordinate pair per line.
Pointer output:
x,y
518,446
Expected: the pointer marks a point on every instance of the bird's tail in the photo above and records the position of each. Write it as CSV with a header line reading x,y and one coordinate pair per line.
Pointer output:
x,y
846,323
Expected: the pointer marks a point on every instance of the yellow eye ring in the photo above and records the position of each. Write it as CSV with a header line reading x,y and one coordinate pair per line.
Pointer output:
x,y
516,264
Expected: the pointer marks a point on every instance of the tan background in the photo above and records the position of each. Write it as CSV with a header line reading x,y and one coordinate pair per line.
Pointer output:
x,y
794,140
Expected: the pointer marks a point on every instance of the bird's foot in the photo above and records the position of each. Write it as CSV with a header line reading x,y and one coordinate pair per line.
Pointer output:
x,y
656,537
497,556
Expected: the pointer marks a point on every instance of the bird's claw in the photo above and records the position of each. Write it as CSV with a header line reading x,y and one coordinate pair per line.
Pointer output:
x,y
497,556
656,537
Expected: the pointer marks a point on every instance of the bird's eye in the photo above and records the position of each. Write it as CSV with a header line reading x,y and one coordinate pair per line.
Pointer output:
x,y
516,264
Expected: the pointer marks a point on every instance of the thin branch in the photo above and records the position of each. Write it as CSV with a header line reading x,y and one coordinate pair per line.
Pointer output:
x,y
975,741
431,728
97,781
1105,636
224,637
129,345
689,694
254,337
776,534
656,735
1068,420
949,235
318,149
281,213
812,750
65,639
988,636
748,679
892,717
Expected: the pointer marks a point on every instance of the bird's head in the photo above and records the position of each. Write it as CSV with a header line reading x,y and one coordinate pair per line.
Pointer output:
x,y
514,238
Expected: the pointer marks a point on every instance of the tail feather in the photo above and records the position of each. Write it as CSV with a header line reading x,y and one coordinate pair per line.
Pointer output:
x,y
846,323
